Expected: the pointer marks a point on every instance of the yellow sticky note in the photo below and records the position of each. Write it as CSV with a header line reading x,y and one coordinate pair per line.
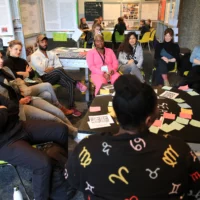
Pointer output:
x,y
154,129
195,123
111,111
187,111
103,91
182,120
166,128
176,125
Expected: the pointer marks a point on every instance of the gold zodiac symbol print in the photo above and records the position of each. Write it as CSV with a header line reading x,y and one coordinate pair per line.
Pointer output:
x,y
120,176
169,156
86,158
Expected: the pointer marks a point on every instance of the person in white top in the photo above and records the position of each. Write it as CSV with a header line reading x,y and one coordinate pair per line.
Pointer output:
x,y
48,66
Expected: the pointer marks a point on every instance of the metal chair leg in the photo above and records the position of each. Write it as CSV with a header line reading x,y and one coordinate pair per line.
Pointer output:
x,y
19,179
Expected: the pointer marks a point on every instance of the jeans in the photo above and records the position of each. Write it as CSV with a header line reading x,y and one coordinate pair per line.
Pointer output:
x,y
40,109
132,69
44,90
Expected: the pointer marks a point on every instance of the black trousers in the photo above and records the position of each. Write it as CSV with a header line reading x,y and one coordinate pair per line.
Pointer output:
x,y
21,153
59,76
162,68
193,78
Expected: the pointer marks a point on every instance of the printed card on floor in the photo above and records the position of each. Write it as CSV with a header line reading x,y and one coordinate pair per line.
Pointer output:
x,y
95,108
185,87
169,115
101,119
184,105
185,115
179,100
169,95
176,125
97,125
193,93
182,120
154,129
195,123
166,88
187,111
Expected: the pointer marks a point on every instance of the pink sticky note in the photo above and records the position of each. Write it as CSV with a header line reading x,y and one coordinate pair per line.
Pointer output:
x,y
169,116
157,123
185,87
185,115
95,108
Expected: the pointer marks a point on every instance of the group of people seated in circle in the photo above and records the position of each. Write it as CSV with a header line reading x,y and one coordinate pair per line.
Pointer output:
x,y
103,166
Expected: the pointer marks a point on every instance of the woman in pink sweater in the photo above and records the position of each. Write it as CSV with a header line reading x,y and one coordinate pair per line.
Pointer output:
x,y
102,63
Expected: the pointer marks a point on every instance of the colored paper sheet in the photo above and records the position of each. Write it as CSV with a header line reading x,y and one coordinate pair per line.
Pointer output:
x,y
176,125
95,108
182,120
195,123
189,90
179,100
184,105
166,88
187,111
111,111
61,37
154,129
185,87
169,116
104,92
169,95
157,123
185,115
167,128
110,104
193,93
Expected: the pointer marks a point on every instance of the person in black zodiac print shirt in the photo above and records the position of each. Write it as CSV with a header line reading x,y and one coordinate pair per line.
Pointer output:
x,y
134,164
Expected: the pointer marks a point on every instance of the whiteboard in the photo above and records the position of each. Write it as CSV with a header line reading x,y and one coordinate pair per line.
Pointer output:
x,y
30,16
6,25
111,11
149,11
60,15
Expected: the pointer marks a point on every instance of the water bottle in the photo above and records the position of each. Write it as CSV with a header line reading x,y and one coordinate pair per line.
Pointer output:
x,y
17,195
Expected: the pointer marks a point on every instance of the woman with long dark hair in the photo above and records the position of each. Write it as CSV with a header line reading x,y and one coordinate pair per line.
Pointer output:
x,y
131,56
166,55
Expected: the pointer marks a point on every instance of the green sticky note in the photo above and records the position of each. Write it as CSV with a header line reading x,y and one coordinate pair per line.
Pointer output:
x,y
179,100
182,120
176,125
195,123
154,129
193,93
166,128
58,36
166,88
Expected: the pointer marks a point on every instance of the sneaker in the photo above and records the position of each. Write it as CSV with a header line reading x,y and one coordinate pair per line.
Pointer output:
x,y
76,113
66,111
81,87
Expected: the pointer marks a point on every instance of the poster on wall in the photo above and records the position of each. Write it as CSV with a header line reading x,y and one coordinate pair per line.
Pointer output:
x,y
6,27
161,10
130,11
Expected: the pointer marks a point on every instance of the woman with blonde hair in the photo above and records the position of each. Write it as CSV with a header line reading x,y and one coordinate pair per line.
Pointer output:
x,y
96,30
